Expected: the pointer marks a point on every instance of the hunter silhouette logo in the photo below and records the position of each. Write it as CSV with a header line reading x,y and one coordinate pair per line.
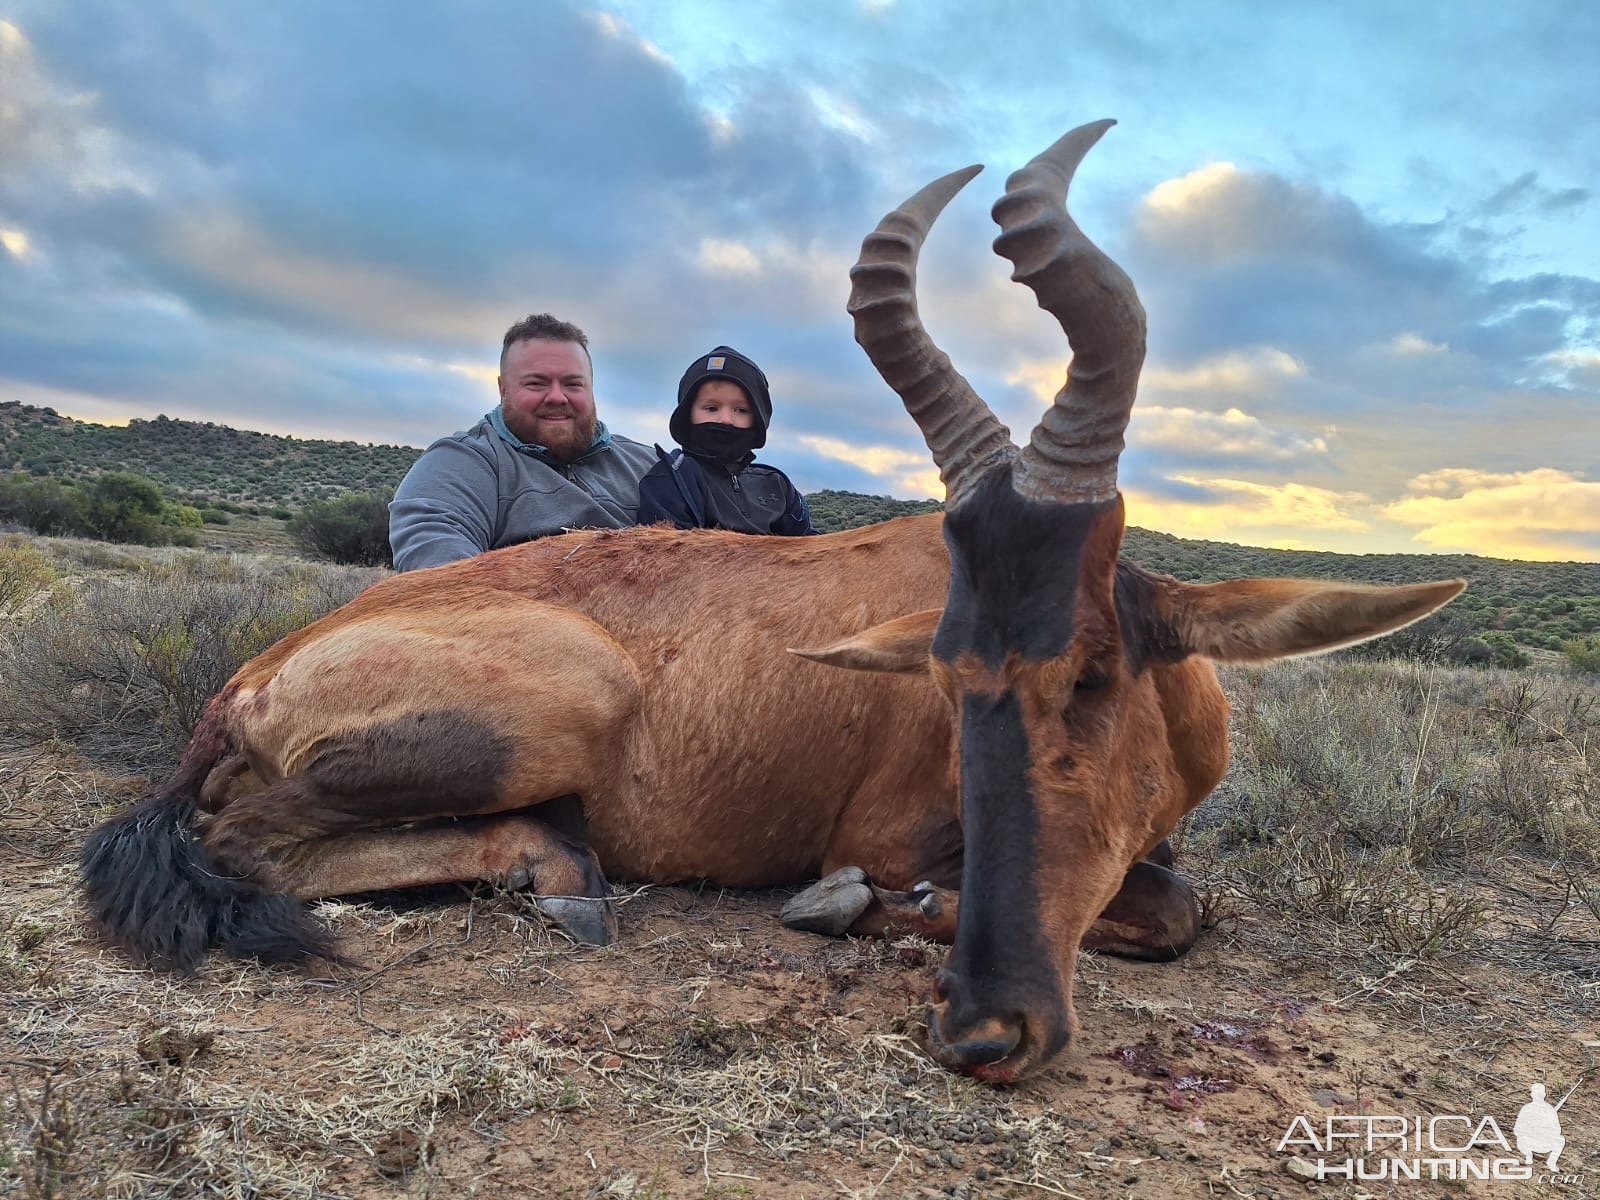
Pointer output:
x,y
1457,1146
1538,1128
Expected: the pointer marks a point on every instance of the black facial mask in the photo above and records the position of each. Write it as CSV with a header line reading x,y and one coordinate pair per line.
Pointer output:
x,y
725,443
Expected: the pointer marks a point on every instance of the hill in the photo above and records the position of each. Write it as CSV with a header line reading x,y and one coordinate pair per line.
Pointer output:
x,y
1537,605
197,459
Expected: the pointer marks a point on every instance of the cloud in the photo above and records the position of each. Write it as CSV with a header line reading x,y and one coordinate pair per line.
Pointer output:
x,y
1409,345
328,217
233,180
1260,369
1287,516
903,472
1537,514
1231,434
719,256
1578,368
1525,193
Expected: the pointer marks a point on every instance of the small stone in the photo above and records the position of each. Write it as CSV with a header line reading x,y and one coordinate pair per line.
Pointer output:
x,y
981,1174
930,1160
1102,1147
1301,1169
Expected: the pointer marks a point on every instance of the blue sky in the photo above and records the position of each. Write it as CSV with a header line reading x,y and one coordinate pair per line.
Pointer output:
x,y
1366,234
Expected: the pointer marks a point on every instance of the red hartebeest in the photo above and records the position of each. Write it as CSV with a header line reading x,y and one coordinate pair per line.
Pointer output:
x,y
1024,716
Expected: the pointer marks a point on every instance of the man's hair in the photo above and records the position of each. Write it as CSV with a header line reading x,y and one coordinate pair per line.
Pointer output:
x,y
542,327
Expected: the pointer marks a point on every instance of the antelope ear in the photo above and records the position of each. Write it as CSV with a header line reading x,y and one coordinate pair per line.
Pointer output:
x,y
1255,620
898,645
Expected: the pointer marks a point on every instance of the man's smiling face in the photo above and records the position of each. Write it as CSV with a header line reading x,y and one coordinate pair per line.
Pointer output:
x,y
547,395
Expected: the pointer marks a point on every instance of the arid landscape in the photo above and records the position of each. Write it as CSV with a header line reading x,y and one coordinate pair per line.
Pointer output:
x,y
1403,921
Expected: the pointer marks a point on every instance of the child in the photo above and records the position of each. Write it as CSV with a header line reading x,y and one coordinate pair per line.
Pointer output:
x,y
714,482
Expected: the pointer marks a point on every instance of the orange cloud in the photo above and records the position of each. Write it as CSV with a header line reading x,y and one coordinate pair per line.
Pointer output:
x,y
1541,514
1282,515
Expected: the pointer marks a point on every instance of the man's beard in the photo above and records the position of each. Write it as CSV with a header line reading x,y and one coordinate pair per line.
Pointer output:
x,y
566,441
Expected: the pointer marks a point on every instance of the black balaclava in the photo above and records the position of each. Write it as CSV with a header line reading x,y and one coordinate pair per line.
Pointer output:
x,y
723,443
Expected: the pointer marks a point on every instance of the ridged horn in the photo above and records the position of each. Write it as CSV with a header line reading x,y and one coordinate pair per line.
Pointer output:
x,y
1072,455
965,437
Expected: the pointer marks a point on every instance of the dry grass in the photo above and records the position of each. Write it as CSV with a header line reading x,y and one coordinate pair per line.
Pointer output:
x,y
121,663
1393,808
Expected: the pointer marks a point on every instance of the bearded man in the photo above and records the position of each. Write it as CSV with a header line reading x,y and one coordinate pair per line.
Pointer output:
x,y
540,463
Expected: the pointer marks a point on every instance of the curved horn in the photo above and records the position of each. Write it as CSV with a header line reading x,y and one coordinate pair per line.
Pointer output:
x,y
1073,453
964,436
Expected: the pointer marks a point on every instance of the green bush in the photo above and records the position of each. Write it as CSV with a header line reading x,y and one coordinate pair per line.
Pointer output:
x,y
43,505
120,506
352,529
24,573
1583,654
181,516
1505,651
215,516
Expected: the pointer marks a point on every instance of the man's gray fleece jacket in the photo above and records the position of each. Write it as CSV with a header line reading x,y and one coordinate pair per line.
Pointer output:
x,y
476,491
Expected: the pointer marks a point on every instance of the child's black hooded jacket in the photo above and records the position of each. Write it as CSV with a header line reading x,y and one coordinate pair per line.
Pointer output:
x,y
699,489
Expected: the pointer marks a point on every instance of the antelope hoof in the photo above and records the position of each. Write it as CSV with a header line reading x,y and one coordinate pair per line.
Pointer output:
x,y
830,906
927,899
593,922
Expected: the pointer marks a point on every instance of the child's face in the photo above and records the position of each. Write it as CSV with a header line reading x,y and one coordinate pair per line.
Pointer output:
x,y
722,402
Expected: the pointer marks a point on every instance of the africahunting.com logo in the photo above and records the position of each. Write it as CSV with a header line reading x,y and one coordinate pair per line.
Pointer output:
x,y
1396,1146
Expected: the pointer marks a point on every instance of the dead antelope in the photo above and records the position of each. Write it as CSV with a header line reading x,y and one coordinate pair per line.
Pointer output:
x,y
1021,715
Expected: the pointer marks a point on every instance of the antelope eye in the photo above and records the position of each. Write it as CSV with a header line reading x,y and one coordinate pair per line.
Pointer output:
x,y
1092,680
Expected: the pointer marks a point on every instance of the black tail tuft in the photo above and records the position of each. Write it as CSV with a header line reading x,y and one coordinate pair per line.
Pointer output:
x,y
152,893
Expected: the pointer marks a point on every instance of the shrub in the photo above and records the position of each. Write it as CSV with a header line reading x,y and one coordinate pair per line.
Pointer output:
x,y
1583,654
216,516
353,529
182,516
24,573
122,666
1504,650
43,505
1354,784
120,506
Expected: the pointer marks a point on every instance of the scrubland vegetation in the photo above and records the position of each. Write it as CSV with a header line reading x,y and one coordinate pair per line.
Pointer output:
x,y
192,483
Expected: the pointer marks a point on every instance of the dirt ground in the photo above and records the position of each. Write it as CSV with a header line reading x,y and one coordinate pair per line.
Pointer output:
x,y
712,1053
